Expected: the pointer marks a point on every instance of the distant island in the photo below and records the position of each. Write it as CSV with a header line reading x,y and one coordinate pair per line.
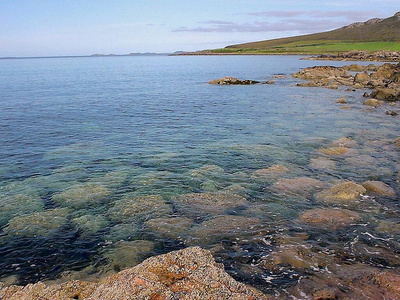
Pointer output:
x,y
92,55
373,35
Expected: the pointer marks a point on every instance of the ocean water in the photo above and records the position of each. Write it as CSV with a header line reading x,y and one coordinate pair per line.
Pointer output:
x,y
101,158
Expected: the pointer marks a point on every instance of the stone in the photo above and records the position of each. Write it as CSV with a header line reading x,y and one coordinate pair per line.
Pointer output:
x,y
228,226
209,203
90,224
299,185
269,82
188,274
322,164
328,218
334,151
362,78
232,81
361,160
82,195
373,102
172,228
37,224
342,193
137,206
380,188
207,171
386,94
344,142
271,171
322,72
126,254
341,101
123,232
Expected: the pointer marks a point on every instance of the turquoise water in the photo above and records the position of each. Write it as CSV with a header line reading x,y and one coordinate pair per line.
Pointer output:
x,y
97,157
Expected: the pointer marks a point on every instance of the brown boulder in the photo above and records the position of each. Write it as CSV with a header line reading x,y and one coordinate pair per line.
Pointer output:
x,y
386,94
373,102
329,218
232,81
190,273
342,193
379,187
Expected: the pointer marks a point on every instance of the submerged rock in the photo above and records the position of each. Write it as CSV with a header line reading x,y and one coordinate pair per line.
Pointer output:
x,y
272,171
188,274
342,193
228,227
131,208
123,232
299,185
328,218
40,223
211,203
379,187
90,224
169,227
232,80
18,204
334,151
207,171
82,195
322,164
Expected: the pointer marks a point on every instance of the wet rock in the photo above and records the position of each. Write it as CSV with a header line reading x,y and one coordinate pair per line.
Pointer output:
x,y
389,281
209,203
207,171
386,94
366,95
90,224
272,171
341,101
328,218
40,223
18,204
123,232
172,228
232,81
334,151
82,195
362,78
136,206
127,254
322,72
188,274
379,187
112,179
396,142
220,227
392,113
342,193
299,185
373,102
322,164
269,82
361,160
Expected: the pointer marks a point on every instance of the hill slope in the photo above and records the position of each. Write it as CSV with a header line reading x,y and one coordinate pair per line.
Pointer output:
x,y
374,34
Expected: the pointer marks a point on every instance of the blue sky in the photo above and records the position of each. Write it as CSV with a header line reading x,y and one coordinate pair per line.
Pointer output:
x,y
71,27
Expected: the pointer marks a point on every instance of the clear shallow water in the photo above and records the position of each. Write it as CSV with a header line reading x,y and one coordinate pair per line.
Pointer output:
x,y
83,140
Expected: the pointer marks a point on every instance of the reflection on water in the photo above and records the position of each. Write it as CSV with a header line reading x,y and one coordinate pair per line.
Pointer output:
x,y
277,181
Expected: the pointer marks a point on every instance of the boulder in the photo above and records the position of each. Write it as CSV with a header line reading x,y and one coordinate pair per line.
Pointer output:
x,y
271,171
333,151
328,218
172,228
362,78
322,164
386,94
188,274
342,193
373,102
380,188
299,185
341,101
232,81
319,72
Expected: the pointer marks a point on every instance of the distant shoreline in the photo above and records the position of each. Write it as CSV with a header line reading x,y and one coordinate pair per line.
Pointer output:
x,y
83,56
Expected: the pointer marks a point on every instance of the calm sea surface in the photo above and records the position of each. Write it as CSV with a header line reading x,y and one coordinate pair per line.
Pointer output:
x,y
100,158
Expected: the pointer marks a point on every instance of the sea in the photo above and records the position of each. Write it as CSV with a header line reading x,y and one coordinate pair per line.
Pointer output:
x,y
106,161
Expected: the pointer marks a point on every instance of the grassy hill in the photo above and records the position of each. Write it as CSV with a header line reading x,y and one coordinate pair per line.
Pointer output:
x,y
372,35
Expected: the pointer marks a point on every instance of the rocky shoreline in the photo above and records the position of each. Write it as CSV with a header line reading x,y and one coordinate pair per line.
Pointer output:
x,y
385,56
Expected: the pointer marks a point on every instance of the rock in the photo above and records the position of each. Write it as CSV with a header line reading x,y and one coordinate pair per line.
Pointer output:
x,y
325,294
342,193
207,171
361,160
344,142
322,72
223,227
341,101
334,151
272,171
396,142
362,78
386,94
269,82
328,218
380,188
299,185
172,228
373,102
366,95
81,195
322,164
126,254
389,281
40,223
136,206
123,232
391,113
90,224
232,81
18,204
188,274
209,203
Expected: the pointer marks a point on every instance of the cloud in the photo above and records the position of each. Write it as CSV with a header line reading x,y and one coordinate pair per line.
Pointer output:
x,y
279,21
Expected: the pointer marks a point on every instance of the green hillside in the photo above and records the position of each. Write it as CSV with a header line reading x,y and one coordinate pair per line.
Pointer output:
x,y
372,35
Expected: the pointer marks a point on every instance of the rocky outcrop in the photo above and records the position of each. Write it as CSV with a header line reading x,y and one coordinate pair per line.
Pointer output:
x,y
190,273
360,55
232,81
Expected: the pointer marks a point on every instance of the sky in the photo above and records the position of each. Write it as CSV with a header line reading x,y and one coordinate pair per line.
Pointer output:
x,y
84,27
